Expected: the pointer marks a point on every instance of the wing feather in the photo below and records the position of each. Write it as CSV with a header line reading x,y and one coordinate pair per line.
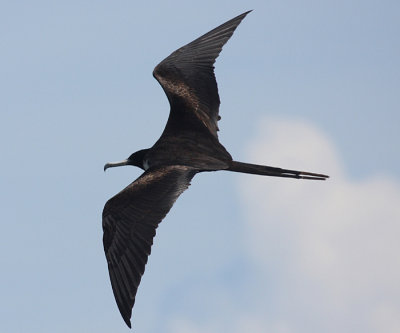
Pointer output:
x,y
188,79
130,220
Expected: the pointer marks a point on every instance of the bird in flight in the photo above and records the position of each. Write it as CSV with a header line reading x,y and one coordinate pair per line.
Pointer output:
x,y
188,145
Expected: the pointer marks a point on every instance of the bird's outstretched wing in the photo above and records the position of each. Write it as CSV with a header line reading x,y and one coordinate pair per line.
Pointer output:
x,y
130,220
187,77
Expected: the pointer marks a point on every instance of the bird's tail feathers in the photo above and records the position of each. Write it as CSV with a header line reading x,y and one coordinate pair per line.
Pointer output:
x,y
274,172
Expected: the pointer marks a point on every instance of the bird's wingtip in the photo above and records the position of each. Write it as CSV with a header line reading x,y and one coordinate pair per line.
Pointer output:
x,y
128,322
244,14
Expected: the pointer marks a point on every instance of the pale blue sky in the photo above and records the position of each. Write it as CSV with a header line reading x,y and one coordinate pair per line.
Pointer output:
x,y
76,91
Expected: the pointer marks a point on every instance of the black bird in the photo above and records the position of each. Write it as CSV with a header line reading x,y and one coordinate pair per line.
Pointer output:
x,y
188,145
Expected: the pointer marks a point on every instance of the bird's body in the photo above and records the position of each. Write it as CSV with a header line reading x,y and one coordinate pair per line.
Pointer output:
x,y
188,145
199,150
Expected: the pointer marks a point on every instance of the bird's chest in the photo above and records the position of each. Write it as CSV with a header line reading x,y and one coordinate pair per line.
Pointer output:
x,y
165,155
195,149
196,156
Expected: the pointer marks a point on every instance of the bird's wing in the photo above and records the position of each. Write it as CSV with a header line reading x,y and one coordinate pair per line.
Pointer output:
x,y
187,77
130,220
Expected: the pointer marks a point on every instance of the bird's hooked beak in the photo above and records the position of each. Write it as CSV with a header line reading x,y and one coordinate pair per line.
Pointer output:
x,y
116,164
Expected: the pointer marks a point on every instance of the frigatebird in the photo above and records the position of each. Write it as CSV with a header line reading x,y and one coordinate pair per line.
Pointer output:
x,y
188,145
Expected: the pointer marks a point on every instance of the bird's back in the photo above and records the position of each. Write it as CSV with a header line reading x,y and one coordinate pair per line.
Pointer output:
x,y
196,148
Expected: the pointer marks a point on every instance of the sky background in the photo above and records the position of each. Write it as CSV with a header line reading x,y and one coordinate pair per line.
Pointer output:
x,y
307,85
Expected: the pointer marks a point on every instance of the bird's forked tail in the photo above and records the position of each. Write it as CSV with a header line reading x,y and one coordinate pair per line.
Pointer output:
x,y
274,172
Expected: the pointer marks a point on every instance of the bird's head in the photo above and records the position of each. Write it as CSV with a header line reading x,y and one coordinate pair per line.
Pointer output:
x,y
136,159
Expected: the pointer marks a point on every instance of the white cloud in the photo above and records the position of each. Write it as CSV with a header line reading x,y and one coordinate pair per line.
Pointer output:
x,y
325,254
333,243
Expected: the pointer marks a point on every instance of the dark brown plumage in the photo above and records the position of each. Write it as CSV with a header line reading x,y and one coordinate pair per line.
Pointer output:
x,y
130,220
189,144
